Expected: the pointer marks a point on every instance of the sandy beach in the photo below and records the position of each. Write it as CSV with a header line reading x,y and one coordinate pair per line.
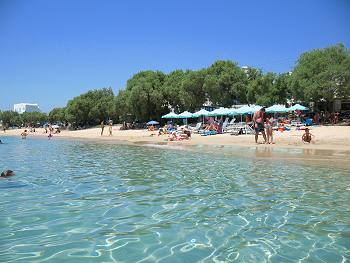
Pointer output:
x,y
335,138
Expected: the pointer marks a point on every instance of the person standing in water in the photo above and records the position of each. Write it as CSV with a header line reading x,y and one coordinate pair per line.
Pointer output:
x,y
102,127
24,134
110,128
258,120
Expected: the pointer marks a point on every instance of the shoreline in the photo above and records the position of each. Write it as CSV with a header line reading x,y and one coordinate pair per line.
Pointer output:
x,y
332,146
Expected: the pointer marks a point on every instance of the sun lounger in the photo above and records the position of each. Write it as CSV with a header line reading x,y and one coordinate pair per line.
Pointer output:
x,y
197,128
207,133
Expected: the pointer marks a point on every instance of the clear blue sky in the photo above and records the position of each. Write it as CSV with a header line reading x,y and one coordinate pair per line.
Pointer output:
x,y
51,51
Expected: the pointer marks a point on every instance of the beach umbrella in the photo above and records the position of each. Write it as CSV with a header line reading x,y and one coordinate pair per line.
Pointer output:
x,y
152,123
297,107
245,110
185,115
256,107
170,115
276,108
200,113
219,112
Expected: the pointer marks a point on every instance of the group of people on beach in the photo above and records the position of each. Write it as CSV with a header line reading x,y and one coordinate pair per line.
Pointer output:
x,y
110,126
264,125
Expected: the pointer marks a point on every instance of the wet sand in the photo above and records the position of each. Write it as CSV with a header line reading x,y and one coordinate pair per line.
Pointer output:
x,y
331,143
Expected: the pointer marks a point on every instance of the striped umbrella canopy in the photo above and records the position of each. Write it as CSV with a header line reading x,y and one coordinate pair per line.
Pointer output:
x,y
298,107
200,113
276,108
170,115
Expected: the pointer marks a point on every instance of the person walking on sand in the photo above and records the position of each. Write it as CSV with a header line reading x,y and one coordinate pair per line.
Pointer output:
x,y
102,127
258,122
110,128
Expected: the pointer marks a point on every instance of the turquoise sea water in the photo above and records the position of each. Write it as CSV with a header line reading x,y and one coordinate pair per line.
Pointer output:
x,y
93,202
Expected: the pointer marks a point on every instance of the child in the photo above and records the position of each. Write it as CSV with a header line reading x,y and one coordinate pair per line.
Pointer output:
x,y
269,131
307,136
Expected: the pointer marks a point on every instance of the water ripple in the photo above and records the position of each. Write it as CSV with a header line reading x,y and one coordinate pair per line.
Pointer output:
x,y
89,202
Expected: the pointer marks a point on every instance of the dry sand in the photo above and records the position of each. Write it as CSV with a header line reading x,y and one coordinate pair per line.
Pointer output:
x,y
326,137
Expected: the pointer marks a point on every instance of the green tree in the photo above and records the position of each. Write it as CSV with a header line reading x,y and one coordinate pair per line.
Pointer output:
x,y
260,88
33,118
173,90
91,107
11,118
322,74
192,93
57,114
145,96
225,83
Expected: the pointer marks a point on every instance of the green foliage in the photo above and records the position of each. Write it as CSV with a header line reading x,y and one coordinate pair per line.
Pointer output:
x,y
225,83
12,118
322,74
57,115
145,96
33,118
192,93
91,108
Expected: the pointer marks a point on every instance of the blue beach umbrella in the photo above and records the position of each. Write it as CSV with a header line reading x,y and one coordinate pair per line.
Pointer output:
x,y
152,123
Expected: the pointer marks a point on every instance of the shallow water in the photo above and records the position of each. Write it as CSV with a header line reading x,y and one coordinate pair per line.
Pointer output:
x,y
93,202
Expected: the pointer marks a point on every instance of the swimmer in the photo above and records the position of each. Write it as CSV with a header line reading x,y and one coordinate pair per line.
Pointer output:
x,y
7,173
50,136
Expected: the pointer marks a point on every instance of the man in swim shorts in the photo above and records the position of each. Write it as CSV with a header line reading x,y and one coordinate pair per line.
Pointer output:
x,y
258,121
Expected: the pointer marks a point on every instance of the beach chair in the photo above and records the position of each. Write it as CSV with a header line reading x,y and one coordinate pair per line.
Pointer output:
x,y
208,133
308,122
197,128
224,125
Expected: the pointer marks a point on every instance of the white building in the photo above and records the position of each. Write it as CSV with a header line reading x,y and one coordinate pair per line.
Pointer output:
x,y
25,107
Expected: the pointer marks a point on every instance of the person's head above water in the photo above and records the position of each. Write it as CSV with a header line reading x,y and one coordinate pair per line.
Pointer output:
x,y
7,173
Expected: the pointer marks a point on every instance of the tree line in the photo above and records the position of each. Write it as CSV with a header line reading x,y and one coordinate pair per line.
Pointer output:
x,y
318,75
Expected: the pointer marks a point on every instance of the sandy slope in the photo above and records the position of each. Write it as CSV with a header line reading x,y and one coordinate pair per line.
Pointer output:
x,y
326,137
